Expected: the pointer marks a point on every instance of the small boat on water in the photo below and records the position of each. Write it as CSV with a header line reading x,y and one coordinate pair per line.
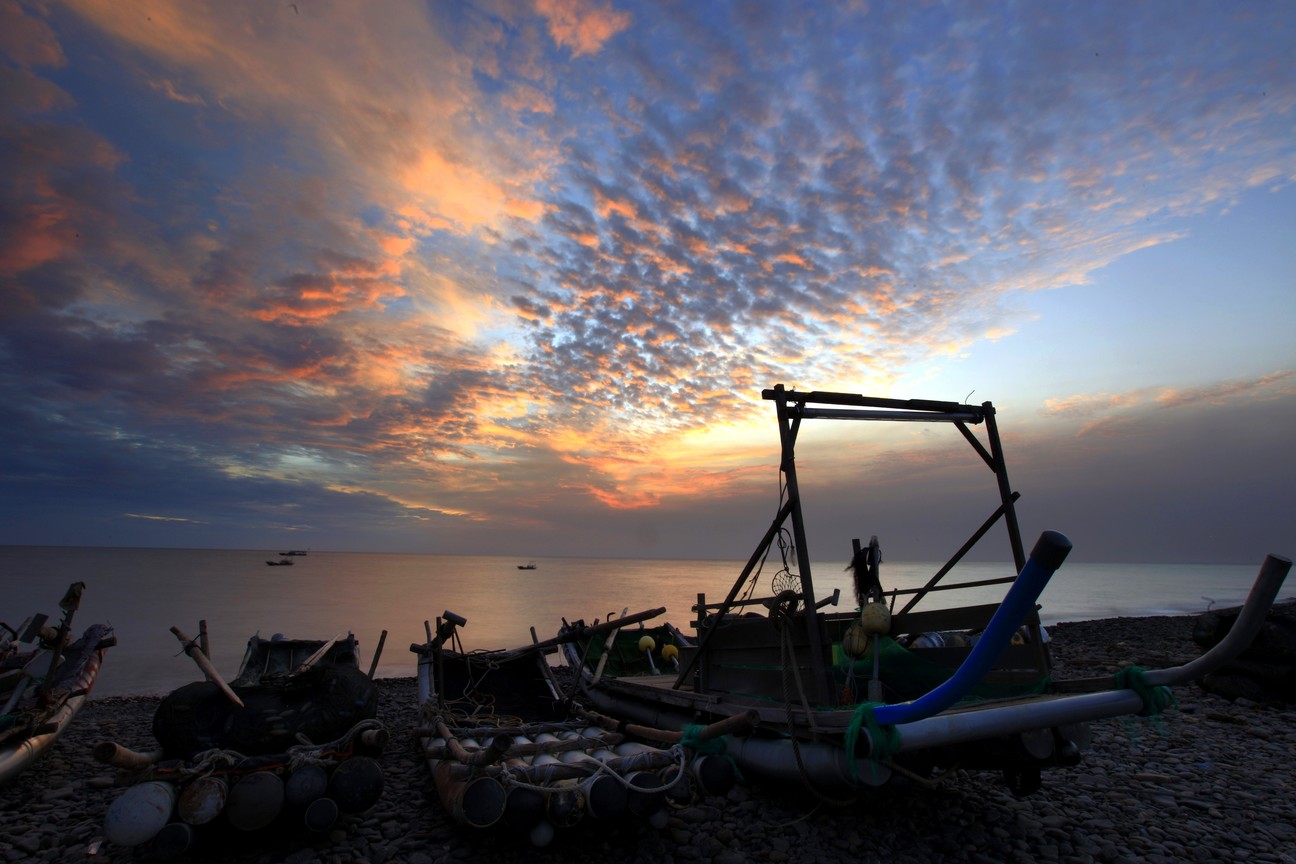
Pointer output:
x,y
44,680
292,739
854,698
510,752
282,562
530,565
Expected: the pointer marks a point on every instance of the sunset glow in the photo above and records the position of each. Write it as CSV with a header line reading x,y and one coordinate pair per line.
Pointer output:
x,y
508,277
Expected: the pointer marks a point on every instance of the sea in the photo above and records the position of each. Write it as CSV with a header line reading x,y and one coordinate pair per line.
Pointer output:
x,y
143,593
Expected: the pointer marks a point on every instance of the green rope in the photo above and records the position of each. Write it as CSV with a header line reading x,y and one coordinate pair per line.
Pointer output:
x,y
1155,699
884,741
694,741
708,747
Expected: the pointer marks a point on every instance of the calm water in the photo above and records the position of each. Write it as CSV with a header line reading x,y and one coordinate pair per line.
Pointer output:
x,y
144,592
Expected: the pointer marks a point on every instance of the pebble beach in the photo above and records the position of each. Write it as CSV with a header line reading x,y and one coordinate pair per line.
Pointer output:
x,y
1211,781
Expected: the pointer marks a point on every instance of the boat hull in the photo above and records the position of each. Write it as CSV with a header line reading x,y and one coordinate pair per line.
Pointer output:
x,y
17,755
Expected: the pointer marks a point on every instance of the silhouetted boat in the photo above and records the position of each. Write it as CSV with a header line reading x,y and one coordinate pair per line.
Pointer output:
x,y
44,681
293,738
510,752
851,699
530,565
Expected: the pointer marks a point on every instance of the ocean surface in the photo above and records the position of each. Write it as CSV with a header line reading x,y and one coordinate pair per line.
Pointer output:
x,y
144,592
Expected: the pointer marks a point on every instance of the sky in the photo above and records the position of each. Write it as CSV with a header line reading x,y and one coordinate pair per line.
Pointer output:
x,y
509,277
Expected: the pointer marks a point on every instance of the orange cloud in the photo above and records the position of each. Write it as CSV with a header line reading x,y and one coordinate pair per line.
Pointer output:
x,y
580,25
354,87
1263,388
27,41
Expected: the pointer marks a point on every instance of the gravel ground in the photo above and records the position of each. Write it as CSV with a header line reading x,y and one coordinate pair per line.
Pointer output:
x,y
1215,781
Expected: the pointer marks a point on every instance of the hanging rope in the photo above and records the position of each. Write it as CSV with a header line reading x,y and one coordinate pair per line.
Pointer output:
x,y
884,741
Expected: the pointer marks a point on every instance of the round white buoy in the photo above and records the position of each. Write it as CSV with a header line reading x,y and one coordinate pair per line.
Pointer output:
x,y
173,841
714,774
645,793
605,797
566,804
321,814
305,785
254,801
523,808
139,813
202,800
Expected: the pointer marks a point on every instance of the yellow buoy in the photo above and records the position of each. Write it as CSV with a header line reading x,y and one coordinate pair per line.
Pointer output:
x,y
647,643
669,652
876,618
855,641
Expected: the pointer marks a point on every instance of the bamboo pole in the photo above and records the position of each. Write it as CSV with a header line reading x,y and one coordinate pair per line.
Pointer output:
x,y
310,661
191,648
515,750
742,725
114,754
492,752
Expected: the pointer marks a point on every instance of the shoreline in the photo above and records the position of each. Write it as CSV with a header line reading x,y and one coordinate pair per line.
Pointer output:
x,y
1212,781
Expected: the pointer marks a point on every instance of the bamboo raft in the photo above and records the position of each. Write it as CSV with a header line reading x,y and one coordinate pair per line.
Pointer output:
x,y
509,752
241,756
44,680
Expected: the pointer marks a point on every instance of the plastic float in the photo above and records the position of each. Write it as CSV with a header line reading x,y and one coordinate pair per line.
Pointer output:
x,y
510,752
240,757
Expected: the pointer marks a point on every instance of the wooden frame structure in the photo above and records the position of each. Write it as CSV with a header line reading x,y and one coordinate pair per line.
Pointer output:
x,y
792,409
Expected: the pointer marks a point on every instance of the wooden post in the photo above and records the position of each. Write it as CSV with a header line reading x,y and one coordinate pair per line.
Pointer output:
x,y
373,666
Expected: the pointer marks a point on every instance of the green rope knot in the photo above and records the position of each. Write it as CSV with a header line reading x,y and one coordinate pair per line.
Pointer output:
x,y
884,740
707,747
1155,699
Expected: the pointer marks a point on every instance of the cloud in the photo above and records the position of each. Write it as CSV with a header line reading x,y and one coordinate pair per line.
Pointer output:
x,y
26,40
1116,415
581,25
1274,386
446,261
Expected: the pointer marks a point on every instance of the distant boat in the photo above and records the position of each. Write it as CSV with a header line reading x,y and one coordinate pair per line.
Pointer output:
x,y
530,565
282,562
294,552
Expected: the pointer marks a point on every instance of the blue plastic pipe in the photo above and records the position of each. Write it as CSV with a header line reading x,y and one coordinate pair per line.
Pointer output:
x,y
1050,551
